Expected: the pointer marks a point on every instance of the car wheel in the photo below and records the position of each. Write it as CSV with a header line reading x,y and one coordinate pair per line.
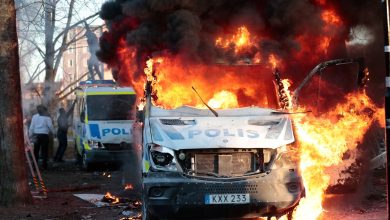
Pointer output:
x,y
85,164
77,156
146,214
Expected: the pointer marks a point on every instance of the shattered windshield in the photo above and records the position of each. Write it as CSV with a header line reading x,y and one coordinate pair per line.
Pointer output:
x,y
110,107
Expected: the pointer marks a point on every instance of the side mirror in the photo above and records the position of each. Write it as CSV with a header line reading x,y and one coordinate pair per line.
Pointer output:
x,y
82,117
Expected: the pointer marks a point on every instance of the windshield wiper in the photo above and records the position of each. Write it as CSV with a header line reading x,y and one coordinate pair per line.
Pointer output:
x,y
212,110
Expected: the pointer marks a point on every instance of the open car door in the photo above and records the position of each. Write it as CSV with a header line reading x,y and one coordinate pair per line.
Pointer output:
x,y
319,70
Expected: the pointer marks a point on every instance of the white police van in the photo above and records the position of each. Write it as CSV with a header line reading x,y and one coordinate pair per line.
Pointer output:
x,y
226,163
103,121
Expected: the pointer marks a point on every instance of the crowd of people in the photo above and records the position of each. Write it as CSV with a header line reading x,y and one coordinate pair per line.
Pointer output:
x,y
40,129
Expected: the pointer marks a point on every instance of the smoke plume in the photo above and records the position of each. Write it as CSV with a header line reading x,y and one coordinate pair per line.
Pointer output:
x,y
291,30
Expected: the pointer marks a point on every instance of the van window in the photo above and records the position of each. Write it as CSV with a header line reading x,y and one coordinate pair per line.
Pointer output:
x,y
110,107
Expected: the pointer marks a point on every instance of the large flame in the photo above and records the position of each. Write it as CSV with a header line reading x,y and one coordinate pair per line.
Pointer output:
x,y
174,75
222,86
322,142
242,40
322,139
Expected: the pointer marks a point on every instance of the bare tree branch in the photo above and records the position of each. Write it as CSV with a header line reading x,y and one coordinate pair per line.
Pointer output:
x,y
41,52
70,85
65,36
74,25
45,27
27,5
36,73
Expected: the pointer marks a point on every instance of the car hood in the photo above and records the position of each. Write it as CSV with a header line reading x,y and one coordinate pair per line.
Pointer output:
x,y
250,128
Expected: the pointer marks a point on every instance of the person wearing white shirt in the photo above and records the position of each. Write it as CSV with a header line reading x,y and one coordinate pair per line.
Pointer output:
x,y
41,126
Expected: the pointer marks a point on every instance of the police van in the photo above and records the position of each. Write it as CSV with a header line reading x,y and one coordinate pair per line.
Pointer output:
x,y
226,163
103,121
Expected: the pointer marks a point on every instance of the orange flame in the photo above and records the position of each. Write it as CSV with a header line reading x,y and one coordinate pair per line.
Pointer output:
x,y
324,44
241,40
223,99
331,17
257,58
286,85
273,60
230,86
322,143
331,20
113,199
129,187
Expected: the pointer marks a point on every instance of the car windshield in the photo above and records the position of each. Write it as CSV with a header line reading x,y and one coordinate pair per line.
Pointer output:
x,y
110,107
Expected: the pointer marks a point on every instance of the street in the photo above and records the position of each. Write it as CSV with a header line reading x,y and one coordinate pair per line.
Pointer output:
x,y
65,179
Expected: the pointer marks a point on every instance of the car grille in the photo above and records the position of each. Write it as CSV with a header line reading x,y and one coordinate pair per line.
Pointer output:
x,y
228,188
226,164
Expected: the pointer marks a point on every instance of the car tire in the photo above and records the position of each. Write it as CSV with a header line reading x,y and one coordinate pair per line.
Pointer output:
x,y
146,215
84,162
77,156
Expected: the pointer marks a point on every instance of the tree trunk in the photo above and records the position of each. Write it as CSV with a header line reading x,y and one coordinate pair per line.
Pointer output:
x,y
49,90
14,188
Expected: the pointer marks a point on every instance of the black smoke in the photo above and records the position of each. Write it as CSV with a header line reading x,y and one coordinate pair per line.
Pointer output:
x,y
188,28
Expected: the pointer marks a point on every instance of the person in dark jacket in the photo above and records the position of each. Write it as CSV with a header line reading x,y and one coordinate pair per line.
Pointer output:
x,y
62,132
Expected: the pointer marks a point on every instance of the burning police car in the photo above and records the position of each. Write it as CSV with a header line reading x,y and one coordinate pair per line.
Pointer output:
x,y
237,160
222,163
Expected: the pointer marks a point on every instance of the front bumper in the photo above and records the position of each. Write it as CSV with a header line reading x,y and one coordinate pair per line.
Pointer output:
x,y
106,156
173,194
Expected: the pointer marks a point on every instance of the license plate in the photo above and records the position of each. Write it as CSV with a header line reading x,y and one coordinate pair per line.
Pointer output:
x,y
226,199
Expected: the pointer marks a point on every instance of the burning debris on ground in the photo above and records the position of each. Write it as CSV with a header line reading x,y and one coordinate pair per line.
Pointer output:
x,y
111,199
131,207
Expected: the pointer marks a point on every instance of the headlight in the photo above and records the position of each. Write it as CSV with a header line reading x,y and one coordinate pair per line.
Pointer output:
x,y
94,144
162,158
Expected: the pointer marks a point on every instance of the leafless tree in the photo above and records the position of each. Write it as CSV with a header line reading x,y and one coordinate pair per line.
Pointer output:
x,y
45,27
13,181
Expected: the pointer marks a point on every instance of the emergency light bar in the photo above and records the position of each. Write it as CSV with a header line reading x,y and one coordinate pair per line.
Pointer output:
x,y
98,83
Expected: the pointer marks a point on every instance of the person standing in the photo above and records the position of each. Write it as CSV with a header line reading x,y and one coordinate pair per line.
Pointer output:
x,y
41,126
62,132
